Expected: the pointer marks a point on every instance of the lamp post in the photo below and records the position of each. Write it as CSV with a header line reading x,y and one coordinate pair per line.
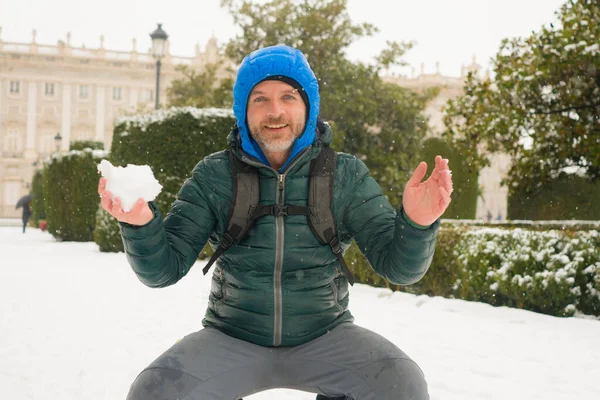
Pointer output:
x,y
57,141
159,40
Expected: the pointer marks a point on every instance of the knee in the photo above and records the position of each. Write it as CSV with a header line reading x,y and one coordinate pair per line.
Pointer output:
x,y
399,378
161,384
411,381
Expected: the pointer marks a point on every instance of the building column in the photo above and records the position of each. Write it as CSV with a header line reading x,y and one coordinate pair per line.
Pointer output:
x,y
100,110
30,152
66,117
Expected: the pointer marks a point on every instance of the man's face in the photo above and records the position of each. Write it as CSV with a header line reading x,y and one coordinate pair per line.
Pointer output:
x,y
276,115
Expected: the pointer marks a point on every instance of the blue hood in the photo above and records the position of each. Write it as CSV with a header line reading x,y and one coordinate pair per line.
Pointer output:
x,y
264,63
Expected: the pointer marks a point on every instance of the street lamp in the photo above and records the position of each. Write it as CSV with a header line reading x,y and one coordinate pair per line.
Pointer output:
x,y
57,141
159,41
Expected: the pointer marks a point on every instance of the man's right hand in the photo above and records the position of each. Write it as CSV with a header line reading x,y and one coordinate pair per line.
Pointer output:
x,y
139,215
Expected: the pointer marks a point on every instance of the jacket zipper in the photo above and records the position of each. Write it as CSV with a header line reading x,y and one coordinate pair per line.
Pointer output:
x,y
279,223
279,230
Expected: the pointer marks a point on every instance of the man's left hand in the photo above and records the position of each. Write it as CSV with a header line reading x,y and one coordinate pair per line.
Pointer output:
x,y
425,202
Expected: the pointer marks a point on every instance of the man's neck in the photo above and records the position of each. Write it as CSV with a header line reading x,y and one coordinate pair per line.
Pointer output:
x,y
277,159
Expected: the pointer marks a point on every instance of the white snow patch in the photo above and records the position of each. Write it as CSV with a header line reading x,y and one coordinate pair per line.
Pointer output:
x,y
77,324
142,121
130,183
592,49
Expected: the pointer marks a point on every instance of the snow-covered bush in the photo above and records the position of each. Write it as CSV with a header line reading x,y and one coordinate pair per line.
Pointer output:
x,y
86,144
70,187
106,233
171,141
549,272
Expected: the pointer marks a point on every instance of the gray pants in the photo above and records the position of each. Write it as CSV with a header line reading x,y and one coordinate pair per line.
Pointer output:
x,y
349,360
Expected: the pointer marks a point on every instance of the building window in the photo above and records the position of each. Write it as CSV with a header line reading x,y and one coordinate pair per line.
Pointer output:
x,y
12,141
84,91
15,87
116,93
49,90
147,95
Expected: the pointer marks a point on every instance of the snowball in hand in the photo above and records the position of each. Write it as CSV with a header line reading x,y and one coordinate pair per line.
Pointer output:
x,y
129,183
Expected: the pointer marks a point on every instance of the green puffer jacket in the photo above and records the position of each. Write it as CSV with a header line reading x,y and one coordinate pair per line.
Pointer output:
x,y
279,286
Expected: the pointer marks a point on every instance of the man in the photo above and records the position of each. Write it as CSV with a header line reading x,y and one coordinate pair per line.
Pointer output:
x,y
278,308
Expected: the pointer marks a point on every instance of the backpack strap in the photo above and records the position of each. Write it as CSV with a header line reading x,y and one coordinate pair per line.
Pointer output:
x,y
246,208
320,198
245,198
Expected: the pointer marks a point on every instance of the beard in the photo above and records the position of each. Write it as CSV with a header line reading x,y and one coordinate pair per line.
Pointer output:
x,y
272,142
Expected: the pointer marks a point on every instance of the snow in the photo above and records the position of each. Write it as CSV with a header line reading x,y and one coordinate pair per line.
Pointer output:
x,y
77,324
595,48
571,46
571,222
142,121
555,256
58,156
130,183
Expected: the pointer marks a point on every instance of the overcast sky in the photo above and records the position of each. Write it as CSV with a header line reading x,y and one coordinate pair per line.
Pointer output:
x,y
448,31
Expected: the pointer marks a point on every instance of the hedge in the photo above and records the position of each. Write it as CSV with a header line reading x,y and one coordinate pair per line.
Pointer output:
x,y
553,271
70,182
568,197
466,189
86,144
171,141
38,211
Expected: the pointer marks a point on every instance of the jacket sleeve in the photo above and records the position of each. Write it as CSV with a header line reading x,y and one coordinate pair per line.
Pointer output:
x,y
395,247
162,252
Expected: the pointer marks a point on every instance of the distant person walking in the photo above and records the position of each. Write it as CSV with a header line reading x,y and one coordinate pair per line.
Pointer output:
x,y
25,203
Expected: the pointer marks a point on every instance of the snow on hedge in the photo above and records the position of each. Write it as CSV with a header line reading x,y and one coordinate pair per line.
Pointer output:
x,y
546,223
97,154
143,120
552,269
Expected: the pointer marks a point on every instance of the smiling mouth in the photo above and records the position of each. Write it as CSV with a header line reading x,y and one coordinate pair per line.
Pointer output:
x,y
279,126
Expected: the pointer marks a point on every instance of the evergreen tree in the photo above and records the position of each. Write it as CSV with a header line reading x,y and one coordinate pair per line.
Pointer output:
x,y
379,122
542,105
201,89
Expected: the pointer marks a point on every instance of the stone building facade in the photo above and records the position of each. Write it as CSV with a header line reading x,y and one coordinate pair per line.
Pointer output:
x,y
75,91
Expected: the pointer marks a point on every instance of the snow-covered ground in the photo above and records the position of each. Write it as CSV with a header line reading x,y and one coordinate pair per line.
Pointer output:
x,y
77,324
